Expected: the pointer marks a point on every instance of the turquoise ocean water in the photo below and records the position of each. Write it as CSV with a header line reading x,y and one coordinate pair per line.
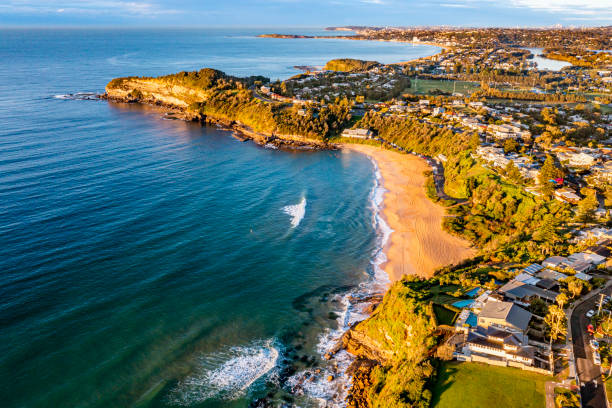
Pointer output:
x,y
151,263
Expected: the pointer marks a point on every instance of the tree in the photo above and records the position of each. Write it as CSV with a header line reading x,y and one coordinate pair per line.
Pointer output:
x,y
587,206
561,299
512,173
510,145
538,307
567,399
556,322
445,352
574,285
546,235
474,141
547,172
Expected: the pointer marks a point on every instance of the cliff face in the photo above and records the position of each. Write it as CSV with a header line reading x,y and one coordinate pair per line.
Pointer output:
x,y
392,348
153,91
224,103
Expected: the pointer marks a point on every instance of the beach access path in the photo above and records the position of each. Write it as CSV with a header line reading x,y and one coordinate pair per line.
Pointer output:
x,y
418,244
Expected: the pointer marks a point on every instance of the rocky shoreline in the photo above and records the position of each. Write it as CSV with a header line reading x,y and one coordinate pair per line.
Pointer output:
x,y
345,356
239,130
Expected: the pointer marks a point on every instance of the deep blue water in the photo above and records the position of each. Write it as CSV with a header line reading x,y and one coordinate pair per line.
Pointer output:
x,y
149,262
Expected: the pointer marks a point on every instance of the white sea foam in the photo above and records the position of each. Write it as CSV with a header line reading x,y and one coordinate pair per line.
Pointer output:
x,y
333,394
227,374
78,96
296,212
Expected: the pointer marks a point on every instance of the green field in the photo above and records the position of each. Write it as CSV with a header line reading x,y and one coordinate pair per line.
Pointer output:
x,y
475,385
424,86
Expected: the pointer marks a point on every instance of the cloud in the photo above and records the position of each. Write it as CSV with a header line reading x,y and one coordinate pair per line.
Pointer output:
x,y
109,7
600,9
456,5
373,1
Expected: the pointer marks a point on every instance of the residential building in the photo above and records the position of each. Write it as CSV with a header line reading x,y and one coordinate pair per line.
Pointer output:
x,y
504,315
357,133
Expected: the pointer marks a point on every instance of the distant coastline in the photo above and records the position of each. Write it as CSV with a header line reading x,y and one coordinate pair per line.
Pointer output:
x,y
442,47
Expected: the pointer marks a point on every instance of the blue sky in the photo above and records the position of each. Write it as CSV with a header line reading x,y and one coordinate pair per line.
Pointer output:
x,y
305,13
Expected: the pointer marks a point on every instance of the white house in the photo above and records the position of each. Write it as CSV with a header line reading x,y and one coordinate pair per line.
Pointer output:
x,y
357,133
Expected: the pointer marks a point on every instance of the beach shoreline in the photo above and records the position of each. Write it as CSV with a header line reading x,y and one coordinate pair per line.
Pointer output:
x,y
442,47
417,245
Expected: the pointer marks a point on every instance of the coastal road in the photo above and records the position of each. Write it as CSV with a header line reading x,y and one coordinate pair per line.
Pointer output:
x,y
592,390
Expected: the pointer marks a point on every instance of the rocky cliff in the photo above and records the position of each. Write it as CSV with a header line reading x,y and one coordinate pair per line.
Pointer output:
x,y
393,347
210,97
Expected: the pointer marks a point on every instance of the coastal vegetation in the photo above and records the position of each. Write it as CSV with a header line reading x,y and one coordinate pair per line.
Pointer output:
x,y
399,337
401,350
580,57
209,94
414,135
350,65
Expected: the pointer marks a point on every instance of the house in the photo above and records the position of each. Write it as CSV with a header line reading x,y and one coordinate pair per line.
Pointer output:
x,y
524,293
587,257
504,315
568,195
583,276
600,250
358,133
437,111
533,268
548,284
580,159
579,266
499,343
526,278
424,102
548,274
554,261
476,105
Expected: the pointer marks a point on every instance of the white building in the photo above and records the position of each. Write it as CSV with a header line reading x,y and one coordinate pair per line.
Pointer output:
x,y
357,133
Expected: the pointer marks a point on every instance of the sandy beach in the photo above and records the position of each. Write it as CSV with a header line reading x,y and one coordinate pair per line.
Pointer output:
x,y
418,244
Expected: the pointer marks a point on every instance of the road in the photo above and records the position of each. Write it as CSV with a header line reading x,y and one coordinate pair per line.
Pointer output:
x,y
592,388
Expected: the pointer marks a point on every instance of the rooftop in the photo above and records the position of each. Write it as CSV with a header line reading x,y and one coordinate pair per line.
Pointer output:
x,y
507,311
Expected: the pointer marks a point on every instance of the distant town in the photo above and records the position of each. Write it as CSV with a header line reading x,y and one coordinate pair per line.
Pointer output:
x,y
516,127
535,105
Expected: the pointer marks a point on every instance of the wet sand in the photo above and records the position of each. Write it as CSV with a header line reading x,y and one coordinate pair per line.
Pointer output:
x,y
418,244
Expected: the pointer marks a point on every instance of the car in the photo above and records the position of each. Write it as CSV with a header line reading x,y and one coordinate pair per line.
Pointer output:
x,y
596,358
594,344
590,313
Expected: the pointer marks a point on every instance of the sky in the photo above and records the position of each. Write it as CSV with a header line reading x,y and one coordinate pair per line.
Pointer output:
x,y
305,13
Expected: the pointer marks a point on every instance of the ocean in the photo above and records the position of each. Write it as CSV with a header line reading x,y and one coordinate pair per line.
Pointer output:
x,y
147,262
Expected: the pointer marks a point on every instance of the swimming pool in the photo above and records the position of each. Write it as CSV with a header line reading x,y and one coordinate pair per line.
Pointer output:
x,y
464,303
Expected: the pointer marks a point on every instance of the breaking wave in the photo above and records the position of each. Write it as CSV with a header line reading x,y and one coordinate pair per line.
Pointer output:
x,y
79,96
296,212
353,308
226,375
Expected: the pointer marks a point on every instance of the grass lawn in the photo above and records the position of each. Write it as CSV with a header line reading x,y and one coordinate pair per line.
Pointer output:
x,y
609,389
424,86
475,385
440,294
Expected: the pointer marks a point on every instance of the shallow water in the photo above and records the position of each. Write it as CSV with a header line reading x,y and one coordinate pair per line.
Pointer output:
x,y
151,262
